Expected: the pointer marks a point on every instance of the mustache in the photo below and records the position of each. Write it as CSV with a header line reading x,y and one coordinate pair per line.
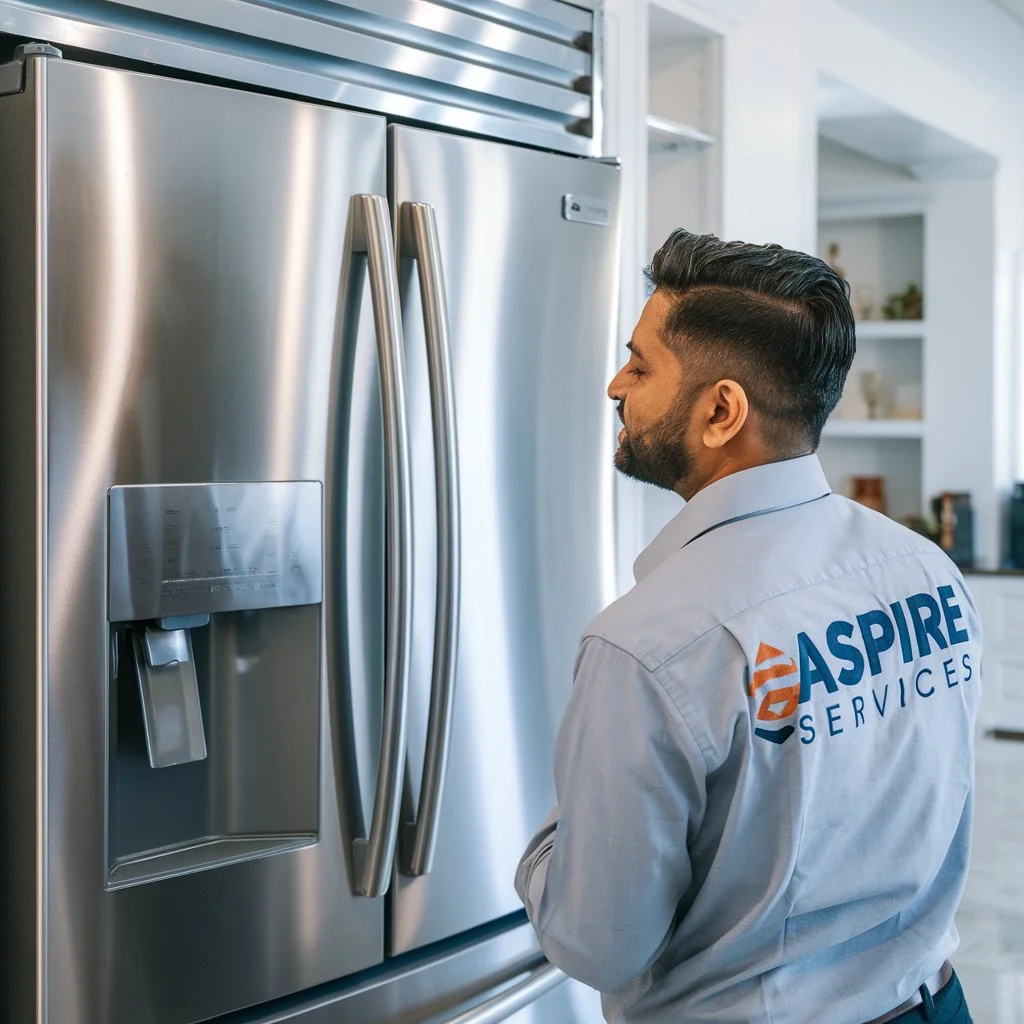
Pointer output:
x,y
621,409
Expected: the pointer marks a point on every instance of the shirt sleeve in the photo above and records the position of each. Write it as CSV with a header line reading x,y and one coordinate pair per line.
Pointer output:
x,y
603,877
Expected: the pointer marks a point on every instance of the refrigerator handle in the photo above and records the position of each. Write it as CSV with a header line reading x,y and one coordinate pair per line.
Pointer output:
x,y
418,241
369,230
540,980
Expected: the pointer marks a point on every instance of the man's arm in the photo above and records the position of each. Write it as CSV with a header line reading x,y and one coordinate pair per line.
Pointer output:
x,y
604,875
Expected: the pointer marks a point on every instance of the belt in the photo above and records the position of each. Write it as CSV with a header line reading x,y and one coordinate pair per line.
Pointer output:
x,y
939,980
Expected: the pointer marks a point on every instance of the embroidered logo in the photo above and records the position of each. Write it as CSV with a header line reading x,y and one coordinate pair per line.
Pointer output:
x,y
780,701
852,672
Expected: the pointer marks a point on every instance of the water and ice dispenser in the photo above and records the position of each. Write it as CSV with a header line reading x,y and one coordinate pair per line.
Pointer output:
x,y
216,636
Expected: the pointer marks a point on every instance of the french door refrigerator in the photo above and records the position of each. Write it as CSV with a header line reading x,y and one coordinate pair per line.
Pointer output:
x,y
306,493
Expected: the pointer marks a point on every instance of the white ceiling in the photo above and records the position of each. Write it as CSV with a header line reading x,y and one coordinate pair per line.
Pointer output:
x,y
981,40
865,124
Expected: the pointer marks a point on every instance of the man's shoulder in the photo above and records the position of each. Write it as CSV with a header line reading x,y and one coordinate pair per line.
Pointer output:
x,y
652,625
750,564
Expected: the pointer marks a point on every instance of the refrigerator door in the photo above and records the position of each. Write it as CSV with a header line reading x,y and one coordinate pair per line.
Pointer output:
x,y
528,247
192,244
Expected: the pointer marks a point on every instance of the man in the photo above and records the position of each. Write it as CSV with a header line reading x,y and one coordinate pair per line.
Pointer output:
x,y
764,775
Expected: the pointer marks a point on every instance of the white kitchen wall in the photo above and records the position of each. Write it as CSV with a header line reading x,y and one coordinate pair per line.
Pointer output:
x,y
960,73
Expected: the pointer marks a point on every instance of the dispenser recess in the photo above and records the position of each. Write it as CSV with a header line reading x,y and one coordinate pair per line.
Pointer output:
x,y
214,595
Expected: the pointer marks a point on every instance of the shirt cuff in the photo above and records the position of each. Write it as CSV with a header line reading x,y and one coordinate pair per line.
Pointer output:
x,y
536,856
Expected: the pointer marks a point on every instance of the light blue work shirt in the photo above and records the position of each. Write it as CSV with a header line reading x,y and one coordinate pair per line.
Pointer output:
x,y
764,774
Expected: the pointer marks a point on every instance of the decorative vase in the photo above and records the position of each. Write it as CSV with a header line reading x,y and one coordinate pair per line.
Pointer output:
x,y
870,492
872,390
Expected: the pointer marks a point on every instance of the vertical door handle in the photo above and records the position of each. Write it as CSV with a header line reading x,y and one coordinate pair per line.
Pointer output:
x,y
417,234
369,235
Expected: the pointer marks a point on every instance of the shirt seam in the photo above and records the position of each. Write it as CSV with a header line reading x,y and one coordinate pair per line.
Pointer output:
x,y
755,514
684,715
657,665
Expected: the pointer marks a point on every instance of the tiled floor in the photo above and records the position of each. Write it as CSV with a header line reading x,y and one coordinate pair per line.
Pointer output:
x,y
990,960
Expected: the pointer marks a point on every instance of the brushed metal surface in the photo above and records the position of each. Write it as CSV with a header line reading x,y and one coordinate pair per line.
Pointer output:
x,y
418,241
187,306
381,47
532,307
369,232
529,72
181,549
11,77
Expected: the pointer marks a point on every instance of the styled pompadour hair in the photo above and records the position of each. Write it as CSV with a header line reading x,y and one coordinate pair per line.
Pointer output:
x,y
777,321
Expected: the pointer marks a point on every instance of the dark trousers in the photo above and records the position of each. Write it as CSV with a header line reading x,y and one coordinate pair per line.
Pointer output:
x,y
947,1006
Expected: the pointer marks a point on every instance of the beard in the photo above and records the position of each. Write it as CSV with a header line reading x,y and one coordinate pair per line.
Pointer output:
x,y
659,455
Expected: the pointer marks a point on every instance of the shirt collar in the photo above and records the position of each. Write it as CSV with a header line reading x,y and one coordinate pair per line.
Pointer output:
x,y
752,492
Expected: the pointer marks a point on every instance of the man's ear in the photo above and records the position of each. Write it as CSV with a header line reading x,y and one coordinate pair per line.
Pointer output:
x,y
726,408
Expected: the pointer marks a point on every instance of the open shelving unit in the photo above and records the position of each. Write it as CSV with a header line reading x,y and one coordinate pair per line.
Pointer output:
x,y
881,250
909,203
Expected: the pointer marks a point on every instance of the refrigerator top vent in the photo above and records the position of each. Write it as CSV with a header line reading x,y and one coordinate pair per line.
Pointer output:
x,y
523,70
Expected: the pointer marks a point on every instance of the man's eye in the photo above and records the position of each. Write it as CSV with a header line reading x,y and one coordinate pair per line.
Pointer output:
x,y
636,371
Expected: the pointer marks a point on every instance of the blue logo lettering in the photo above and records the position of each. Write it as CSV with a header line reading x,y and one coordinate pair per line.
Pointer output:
x,y
876,643
845,652
818,672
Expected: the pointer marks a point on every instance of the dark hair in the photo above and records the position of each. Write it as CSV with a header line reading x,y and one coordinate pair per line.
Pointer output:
x,y
779,322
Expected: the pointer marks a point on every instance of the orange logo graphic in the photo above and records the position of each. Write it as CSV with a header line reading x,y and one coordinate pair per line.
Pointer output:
x,y
781,701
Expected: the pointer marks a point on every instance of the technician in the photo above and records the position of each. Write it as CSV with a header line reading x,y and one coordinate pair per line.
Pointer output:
x,y
764,774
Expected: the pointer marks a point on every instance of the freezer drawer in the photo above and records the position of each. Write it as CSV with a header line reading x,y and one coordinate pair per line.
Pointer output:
x,y
495,973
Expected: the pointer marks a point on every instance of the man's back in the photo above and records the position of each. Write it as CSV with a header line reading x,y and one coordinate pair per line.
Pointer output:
x,y
786,702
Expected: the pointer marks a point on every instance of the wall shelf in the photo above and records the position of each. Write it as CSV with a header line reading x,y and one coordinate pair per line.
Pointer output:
x,y
883,329
875,429
664,135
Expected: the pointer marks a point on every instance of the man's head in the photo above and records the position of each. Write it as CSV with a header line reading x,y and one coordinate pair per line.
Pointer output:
x,y
738,359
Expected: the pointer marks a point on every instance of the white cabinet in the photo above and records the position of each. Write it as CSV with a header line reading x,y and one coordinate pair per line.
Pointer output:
x,y
1000,601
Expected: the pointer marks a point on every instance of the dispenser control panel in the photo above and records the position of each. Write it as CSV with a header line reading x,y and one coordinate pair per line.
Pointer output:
x,y
182,549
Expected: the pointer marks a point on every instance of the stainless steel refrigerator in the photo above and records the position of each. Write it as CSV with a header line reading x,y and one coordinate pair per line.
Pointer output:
x,y
306,496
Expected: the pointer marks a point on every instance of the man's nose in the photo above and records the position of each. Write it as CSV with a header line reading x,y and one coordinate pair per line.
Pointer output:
x,y
617,389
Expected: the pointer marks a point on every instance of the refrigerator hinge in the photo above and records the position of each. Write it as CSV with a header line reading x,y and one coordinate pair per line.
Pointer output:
x,y
12,74
36,50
